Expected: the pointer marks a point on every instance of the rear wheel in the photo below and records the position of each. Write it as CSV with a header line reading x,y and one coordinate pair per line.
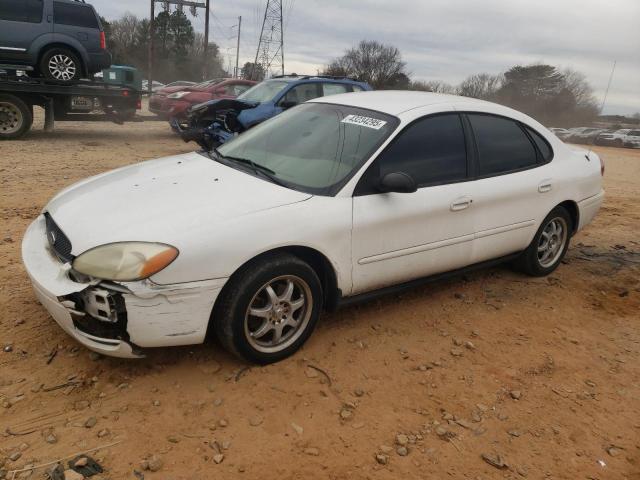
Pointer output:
x,y
61,64
269,309
549,245
16,117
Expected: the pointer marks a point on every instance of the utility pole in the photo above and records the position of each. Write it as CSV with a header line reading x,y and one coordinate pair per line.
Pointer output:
x,y
193,6
151,37
237,72
205,60
270,51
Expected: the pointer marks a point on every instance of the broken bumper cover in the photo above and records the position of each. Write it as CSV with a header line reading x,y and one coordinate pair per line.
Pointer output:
x,y
117,319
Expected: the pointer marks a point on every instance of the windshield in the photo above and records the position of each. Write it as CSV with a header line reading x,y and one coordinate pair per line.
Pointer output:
x,y
264,92
206,83
314,147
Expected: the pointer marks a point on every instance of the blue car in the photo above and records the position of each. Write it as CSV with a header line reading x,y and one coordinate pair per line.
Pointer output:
x,y
214,122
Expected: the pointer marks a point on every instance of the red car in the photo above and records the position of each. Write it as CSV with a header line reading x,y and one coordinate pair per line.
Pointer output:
x,y
173,102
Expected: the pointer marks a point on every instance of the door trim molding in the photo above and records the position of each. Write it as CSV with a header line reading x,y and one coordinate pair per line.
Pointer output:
x,y
505,228
445,243
14,49
417,249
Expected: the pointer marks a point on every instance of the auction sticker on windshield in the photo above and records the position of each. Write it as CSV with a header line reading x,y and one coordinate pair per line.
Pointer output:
x,y
364,121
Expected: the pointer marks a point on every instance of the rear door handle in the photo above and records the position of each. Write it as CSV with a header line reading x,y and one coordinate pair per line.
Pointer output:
x,y
461,203
545,186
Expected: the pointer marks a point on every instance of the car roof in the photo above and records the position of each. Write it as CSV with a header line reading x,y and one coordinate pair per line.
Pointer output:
x,y
313,78
395,102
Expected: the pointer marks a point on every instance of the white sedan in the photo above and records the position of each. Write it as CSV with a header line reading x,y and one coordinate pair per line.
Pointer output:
x,y
327,203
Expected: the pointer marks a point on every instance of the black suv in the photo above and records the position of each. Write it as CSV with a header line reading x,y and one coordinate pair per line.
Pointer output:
x,y
61,40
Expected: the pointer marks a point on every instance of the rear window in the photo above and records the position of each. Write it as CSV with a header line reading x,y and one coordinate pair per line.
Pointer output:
x,y
21,10
502,145
76,15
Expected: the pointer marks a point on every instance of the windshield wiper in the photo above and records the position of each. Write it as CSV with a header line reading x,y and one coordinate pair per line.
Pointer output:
x,y
257,168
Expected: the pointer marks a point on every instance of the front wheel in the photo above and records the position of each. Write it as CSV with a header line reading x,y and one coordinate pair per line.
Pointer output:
x,y
549,245
269,309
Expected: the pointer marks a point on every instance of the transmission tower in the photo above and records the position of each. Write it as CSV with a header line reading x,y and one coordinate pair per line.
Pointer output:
x,y
270,53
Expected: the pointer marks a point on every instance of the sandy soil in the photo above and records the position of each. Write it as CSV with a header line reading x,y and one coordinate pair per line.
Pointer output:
x,y
544,373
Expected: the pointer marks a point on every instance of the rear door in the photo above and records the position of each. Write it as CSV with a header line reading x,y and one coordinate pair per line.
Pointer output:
x,y
514,186
78,21
21,22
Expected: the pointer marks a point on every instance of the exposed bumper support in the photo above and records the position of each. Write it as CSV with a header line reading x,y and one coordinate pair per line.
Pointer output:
x,y
117,319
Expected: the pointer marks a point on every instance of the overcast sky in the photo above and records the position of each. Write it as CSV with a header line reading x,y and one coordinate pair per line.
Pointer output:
x,y
444,39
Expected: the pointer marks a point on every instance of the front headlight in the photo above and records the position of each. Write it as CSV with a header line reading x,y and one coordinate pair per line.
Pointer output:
x,y
125,261
177,95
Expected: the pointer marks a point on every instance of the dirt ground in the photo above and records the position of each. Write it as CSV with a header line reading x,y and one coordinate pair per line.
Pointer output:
x,y
542,376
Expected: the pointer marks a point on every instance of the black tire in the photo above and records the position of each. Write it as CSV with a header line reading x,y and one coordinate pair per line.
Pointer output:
x,y
61,65
530,262
16,117
618,143
233,324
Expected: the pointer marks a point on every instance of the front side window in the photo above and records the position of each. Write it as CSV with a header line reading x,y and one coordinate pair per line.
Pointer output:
x,y
314,147
302,93
265,91
432,150
502,145
333,89
21,10
75,15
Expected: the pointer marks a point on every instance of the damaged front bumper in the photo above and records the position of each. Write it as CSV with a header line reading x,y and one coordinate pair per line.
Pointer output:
x,y
117,319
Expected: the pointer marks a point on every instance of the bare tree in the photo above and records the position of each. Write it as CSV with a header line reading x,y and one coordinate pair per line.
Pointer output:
x,y
577,84
372,62
123,34
435,86
481,85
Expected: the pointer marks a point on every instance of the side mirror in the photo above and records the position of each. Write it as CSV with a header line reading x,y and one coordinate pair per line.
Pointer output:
x,y
398,182
288,104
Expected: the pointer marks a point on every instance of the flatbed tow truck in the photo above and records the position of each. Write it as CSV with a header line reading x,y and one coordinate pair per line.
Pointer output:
x,y
61,102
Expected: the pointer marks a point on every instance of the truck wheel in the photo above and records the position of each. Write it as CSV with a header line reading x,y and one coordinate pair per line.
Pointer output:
x,y
15,117
61,65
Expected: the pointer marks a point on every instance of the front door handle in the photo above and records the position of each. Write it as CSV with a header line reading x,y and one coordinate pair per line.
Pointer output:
x,y
545,186
461,203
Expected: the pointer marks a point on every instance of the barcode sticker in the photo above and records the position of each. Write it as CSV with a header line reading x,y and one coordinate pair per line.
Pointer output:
x,y
364,121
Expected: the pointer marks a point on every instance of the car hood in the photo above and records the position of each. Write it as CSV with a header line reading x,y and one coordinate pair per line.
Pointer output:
x,y
163,200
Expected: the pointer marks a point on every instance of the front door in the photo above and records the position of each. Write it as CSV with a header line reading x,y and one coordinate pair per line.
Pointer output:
x,y
398,237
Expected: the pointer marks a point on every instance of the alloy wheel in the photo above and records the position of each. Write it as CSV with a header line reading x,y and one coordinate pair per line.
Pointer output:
x,y
62,67
552,241
278,313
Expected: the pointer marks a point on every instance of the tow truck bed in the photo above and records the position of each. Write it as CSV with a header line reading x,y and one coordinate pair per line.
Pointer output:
x,y
18,95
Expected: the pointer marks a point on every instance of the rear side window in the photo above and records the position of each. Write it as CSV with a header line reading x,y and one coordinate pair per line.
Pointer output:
x,y
432,150
357,88
543,146
76,15
502,145
21,10
634,133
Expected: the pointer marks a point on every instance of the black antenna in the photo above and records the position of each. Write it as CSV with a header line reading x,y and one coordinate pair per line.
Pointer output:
x,y
604,100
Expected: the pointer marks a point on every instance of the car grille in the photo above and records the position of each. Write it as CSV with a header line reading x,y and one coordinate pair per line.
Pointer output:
x,y
60,244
